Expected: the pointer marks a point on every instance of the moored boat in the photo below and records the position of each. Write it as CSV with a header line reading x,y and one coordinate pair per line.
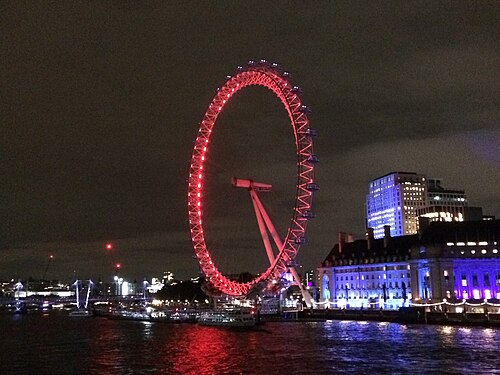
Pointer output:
x,y
80,313
229,318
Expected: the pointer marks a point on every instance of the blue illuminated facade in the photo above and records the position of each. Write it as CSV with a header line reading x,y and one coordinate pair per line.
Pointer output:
x,y
457,261
393,200
369,274
452,261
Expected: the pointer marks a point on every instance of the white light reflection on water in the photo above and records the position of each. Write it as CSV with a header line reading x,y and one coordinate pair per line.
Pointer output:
x,y
488,333
147,329
465,330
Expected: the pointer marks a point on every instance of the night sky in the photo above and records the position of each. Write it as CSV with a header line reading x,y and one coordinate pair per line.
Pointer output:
x,y
100,104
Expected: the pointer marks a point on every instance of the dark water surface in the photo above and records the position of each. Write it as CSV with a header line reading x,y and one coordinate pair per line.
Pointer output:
x,y
57,344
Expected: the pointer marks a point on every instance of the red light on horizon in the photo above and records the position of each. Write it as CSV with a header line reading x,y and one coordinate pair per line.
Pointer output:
x,y
118,265
109,246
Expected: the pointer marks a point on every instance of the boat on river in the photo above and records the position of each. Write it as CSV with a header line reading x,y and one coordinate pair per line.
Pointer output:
x,y
152,315
80,313
228,318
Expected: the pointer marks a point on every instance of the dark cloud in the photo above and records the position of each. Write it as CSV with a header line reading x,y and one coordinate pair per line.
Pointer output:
x,y
101,101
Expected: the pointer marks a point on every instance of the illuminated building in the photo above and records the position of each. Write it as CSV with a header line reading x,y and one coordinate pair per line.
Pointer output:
x,y
309,283
308,280
33,288
155,285
451,260
369,273
457,260
443,204
393,200
168,277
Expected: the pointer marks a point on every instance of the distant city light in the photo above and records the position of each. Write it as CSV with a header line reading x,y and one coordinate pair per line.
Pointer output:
x,y
125,288
109,246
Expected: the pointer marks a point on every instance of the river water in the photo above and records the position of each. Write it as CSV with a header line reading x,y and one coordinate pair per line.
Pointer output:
x,y
55,343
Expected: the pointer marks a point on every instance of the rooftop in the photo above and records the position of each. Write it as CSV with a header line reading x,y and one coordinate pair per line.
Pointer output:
x,y
399,248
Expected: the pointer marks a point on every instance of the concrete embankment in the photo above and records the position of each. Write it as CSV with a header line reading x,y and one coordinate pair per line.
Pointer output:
x,y
404,316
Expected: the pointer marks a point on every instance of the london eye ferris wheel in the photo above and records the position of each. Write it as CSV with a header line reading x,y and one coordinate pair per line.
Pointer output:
x,y
272,77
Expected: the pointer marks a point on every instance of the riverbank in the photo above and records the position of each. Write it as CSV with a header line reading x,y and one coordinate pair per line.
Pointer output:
x,y
403,316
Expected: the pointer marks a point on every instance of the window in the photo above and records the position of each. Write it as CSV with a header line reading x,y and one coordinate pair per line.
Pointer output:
x,y
474,280
486,279
464,280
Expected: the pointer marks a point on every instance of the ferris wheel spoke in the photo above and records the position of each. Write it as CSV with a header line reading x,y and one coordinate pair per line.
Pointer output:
x,y
262,229
269,224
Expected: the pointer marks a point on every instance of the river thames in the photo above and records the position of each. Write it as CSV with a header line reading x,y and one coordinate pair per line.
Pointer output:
x,y
57,344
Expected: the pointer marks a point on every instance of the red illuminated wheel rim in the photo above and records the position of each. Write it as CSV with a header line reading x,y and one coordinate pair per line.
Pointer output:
x,y
274,79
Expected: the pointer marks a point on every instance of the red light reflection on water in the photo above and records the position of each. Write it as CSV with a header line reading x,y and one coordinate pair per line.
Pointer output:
x,y
205,352
118,347
105,354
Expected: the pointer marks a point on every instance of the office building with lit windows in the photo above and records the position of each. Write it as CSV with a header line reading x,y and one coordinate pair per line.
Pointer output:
x,y
443,204
394,200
